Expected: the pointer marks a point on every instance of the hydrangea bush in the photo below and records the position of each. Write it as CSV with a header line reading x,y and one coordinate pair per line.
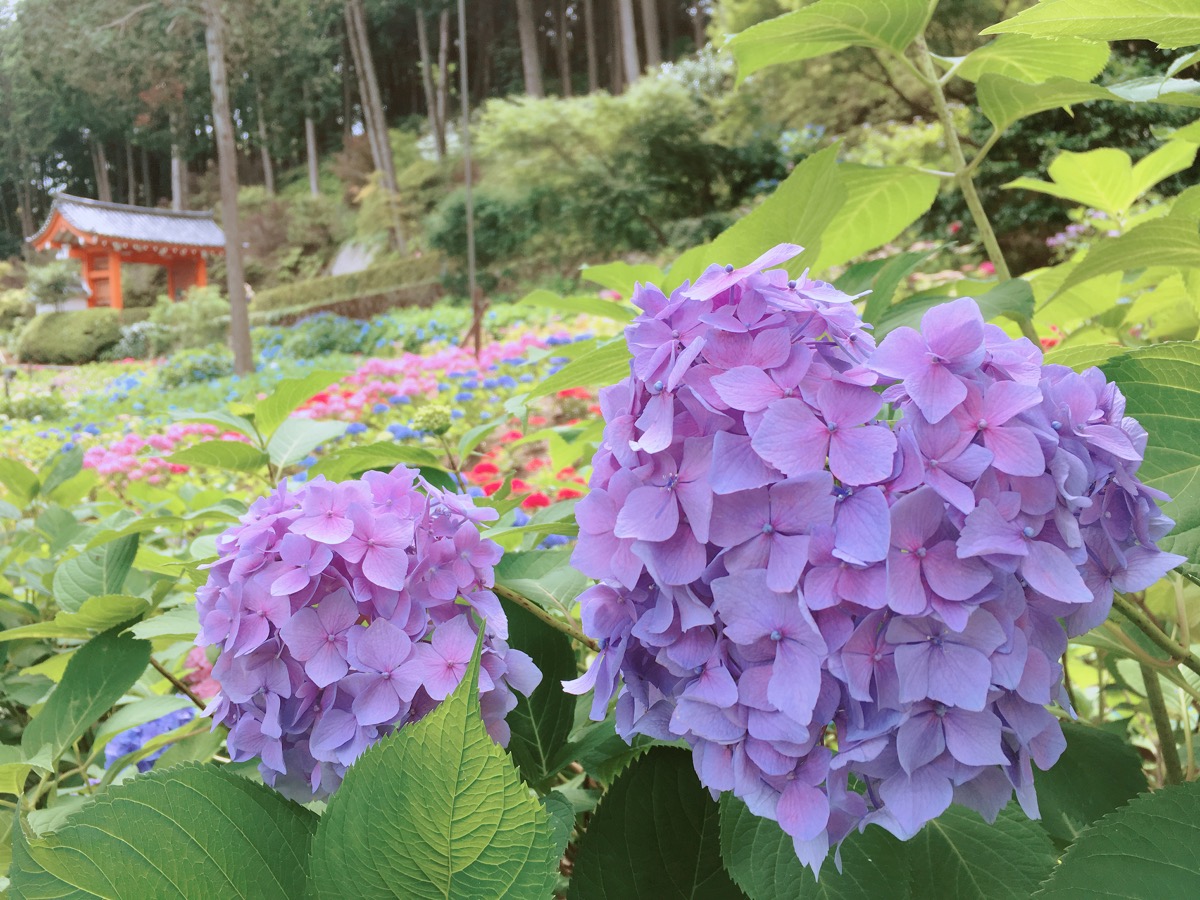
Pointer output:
x,y
336,610
843,573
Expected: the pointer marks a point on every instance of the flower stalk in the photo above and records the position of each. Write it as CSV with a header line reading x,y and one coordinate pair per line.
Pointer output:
x,y
178,685
963,172
570,630
1167,752
1143,622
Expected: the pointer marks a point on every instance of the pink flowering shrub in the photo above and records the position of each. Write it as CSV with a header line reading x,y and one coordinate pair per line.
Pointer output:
x,y
133,457
409,375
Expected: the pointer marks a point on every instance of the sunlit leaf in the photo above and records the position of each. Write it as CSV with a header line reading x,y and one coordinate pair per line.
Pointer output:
x,y
1170,23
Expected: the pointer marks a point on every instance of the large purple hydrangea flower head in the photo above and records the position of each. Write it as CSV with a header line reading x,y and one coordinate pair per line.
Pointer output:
x,y
846,574
346,610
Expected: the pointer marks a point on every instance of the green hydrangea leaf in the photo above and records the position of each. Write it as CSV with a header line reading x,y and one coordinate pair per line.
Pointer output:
x,y
436,812
191,832
656,834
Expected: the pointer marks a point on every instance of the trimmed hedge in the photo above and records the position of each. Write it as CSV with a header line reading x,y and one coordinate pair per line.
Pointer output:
x,y
376,280
69,338
365,306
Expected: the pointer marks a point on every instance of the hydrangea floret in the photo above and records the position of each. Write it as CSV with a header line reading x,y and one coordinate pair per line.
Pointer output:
x,y
344,611
844,573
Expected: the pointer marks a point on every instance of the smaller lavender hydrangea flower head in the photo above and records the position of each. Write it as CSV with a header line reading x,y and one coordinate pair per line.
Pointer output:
x,y
346,610
844,573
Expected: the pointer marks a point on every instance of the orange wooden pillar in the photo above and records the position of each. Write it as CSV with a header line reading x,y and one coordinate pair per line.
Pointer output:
x,y
97,278
201,272
116,301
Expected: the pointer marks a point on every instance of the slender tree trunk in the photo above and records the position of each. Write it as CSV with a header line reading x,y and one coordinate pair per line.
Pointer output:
x,y
239,315
563,46
41,197
629,49
264,144
373,112
478,304
593,62
616,67
347,101
106,191
95,165
485,27
310,143
651,34
699,20
7,220
531,63
431,110
130,177
178,172
367,120
28,225
443,71
373,100
25,202
147,190
117,176
103,182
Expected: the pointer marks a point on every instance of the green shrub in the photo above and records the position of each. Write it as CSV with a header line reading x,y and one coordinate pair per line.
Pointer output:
x,y
195,366
325,333
378,279
56,282
135,315
15,310
504,221
685,233
587,176
69,338
288,238
141,285
44,407
139,340
201,318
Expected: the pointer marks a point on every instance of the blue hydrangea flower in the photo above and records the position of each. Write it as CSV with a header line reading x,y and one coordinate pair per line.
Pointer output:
x,y
133,739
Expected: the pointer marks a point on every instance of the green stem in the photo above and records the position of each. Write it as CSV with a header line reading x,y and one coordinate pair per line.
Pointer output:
x,y
272,472
1185,720
1146,625
983,151
1067,684
568,628
178,685
30,802
1168,752
962,175
450,459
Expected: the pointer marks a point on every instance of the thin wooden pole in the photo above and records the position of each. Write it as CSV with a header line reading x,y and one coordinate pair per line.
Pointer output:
x,y
477,304
239,314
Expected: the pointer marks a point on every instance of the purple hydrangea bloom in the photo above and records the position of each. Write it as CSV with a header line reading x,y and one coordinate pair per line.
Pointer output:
x,y
807,542
345,611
